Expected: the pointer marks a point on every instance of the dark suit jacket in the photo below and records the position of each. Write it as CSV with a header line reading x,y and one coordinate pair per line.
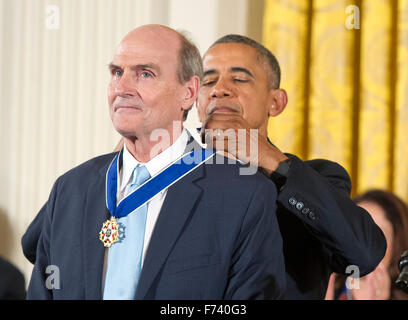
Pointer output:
x,y
215,237
12,282
334,233
323,230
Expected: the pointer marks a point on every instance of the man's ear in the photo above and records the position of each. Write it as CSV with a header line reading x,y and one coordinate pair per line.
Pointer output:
x,y
192,86
279,100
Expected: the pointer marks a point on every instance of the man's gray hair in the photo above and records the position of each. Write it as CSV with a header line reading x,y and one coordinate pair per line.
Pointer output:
x,y
190,63
273,71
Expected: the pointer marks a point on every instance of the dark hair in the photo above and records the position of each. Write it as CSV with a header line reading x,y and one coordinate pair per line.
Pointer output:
x,y
396,212
265,57
190,63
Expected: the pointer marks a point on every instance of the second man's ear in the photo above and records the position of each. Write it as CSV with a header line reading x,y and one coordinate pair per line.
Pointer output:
x,y
279,100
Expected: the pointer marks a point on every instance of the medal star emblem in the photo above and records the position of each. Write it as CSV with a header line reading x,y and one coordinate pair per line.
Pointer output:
x,y
109,233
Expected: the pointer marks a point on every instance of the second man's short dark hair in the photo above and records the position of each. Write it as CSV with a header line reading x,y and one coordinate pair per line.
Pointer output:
x,y
264,55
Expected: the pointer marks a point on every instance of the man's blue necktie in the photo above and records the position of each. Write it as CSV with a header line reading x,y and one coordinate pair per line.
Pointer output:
x,y
125,256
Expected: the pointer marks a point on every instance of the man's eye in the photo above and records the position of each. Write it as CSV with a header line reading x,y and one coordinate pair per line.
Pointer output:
x,y
117,73
145,74
208,83
240,80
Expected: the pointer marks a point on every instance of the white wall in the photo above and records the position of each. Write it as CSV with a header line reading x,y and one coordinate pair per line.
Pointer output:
x,y
53,106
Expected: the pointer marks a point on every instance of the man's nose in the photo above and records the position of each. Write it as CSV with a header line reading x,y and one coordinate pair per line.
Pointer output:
x,y
221,89
125,85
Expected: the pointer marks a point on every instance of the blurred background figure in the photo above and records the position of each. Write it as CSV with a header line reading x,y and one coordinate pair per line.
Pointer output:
x,y
12,282
390,213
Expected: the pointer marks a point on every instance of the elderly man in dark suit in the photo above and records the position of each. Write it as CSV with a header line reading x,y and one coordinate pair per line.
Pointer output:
x,y
212,233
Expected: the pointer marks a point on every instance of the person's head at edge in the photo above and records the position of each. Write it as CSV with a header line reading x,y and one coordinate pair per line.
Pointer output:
x,y
155,78
390,213
241,76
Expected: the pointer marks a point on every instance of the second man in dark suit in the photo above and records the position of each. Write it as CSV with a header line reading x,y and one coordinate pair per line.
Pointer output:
x,y
323,230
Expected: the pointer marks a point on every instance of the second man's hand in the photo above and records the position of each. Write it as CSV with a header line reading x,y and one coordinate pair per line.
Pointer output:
x,y
231,133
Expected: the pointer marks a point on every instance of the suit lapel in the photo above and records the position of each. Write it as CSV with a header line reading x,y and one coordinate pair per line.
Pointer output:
x,y
95,214
177,207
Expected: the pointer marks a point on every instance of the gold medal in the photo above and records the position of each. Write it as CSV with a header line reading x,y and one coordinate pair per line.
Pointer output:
x,y
110,232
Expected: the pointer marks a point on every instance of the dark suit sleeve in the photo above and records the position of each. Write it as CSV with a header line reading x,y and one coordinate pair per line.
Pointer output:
x,y
258,269
30,238
37,289
318,193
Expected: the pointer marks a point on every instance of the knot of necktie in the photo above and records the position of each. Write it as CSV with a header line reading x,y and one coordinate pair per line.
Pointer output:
x,y
140,175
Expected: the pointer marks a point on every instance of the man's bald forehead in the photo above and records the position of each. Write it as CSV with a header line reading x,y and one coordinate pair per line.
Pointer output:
x,y
156,30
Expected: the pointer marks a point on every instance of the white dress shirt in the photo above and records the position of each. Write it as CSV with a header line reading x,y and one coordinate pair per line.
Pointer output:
x,y
154,166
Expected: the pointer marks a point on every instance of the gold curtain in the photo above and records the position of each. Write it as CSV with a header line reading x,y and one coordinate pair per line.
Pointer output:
x,y
345,69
